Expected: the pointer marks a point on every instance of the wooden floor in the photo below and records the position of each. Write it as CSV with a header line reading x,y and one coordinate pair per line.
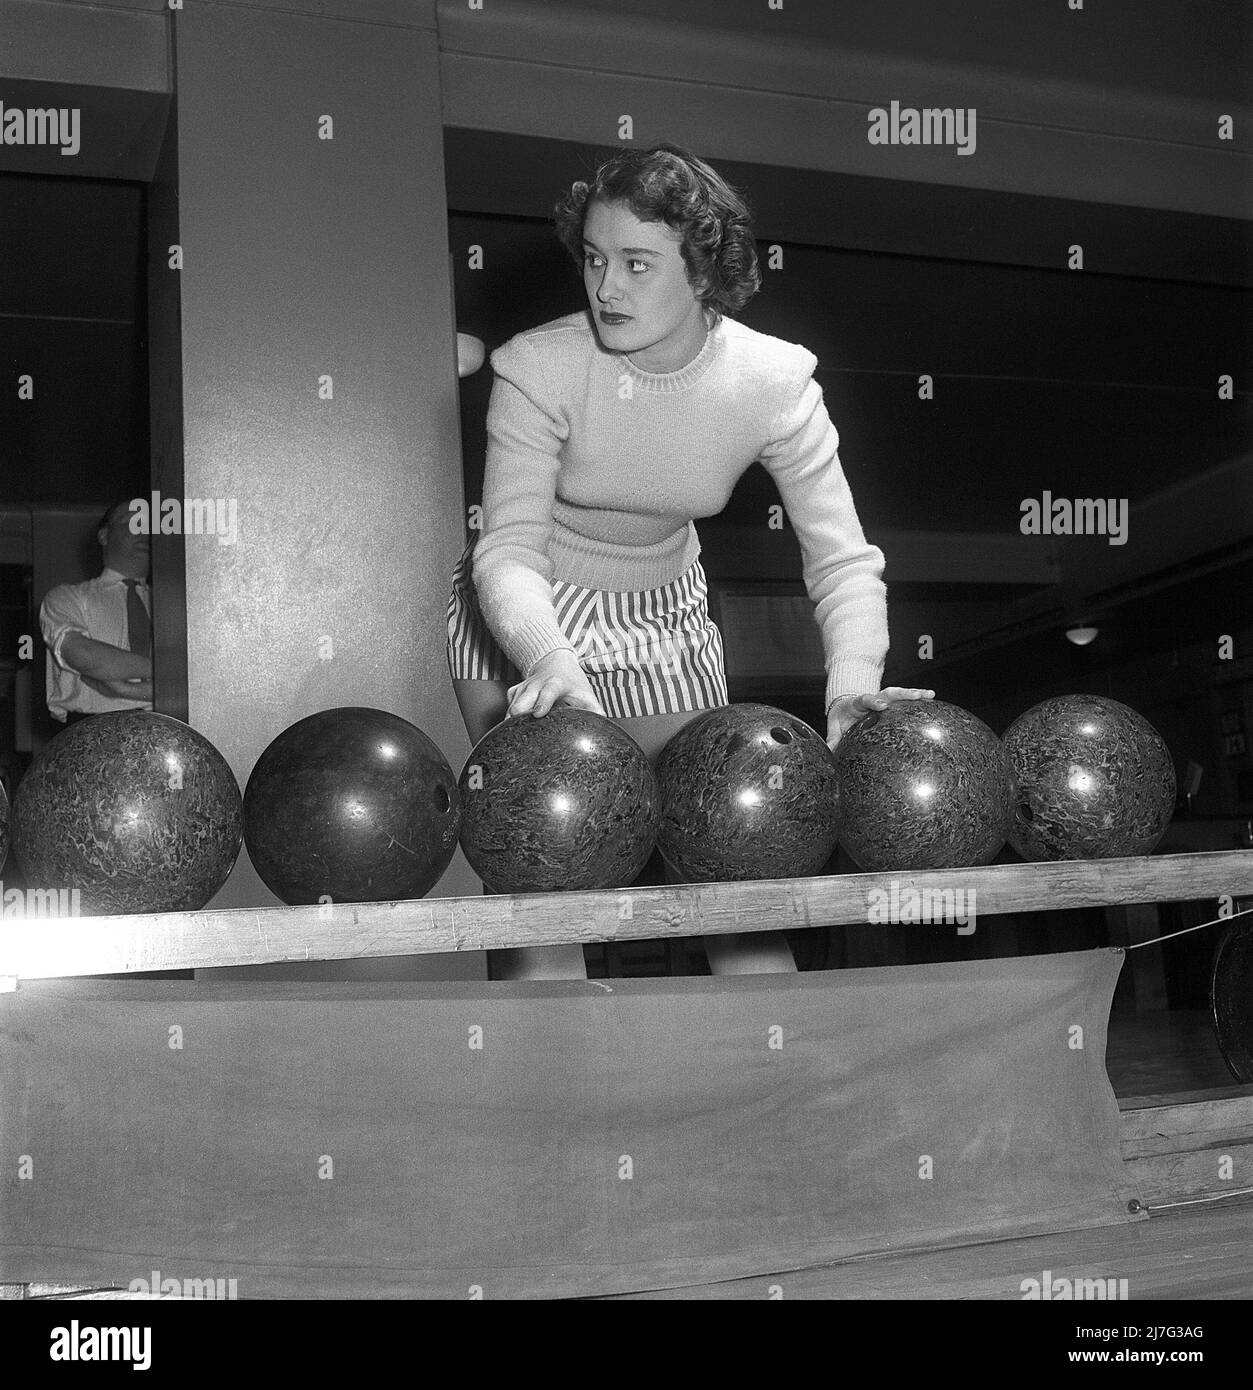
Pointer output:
x,y
1200,1252
1197,1252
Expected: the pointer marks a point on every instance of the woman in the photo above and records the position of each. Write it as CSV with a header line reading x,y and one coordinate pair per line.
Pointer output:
x,y
608,432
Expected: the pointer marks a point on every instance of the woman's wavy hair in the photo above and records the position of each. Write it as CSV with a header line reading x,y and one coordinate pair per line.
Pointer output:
x,y
669,184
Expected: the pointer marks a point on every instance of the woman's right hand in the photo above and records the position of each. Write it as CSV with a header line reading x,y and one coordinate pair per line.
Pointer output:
x,y
556,678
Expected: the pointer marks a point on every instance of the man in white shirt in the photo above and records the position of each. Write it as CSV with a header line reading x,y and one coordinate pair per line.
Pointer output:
x,y
99,633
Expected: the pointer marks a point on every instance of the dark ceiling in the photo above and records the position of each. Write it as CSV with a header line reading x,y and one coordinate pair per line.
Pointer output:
x,y
1189,49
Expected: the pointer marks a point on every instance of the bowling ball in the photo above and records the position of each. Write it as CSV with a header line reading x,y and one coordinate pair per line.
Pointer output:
x,y
136,810
1231,998
747,792
565,801
351,805
1095,780
922,785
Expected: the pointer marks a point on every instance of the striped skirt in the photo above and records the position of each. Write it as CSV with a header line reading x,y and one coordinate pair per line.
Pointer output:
x,y
656,651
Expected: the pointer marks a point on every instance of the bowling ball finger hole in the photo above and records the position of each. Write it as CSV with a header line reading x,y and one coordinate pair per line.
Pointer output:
x,y
1025,811
443,802
780,735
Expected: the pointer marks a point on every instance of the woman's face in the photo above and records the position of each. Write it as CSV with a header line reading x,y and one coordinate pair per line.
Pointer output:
x,y
637,286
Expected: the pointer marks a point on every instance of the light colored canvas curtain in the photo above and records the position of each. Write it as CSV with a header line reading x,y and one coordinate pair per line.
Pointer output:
x,y
424,1140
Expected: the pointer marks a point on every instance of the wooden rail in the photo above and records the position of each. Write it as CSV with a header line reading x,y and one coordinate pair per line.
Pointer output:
x,y
1182,1147
44,948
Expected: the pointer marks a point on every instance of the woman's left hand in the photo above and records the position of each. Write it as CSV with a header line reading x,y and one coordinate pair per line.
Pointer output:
x,y
845,712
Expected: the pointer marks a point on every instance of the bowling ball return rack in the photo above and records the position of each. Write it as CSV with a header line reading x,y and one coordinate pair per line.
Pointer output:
x,y
1167,1141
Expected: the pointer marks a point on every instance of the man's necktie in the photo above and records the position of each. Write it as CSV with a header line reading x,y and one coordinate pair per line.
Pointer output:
x,y
138,625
